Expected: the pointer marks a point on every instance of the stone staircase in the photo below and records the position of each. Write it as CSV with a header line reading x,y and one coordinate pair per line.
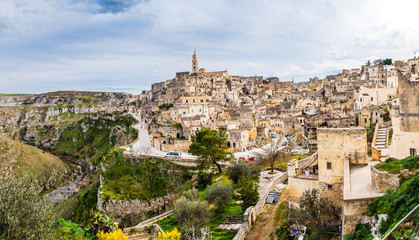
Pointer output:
x,y
380,149
381,142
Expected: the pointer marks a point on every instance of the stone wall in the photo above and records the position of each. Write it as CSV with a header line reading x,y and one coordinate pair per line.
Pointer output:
x,y
354,212
297,186
384,180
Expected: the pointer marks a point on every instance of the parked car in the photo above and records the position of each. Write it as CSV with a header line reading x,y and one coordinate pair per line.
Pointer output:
x,y
250,159
288,136
273,135
174,154
242,158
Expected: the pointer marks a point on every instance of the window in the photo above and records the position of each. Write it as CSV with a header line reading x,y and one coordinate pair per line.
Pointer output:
x,y
187,101
360,99
193,100
372,98
329,186
207,100
202,100
413,152
329,165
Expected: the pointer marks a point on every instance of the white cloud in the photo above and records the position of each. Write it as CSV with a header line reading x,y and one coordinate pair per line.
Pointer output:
x,y
51,45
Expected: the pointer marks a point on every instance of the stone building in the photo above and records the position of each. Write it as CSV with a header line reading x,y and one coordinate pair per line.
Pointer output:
x,y
405,119
340,172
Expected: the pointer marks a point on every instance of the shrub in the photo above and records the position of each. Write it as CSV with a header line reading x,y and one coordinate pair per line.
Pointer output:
x,y
22,214
411,163
71,228
204,179
115,235
248,193
283,231
190,214
237,171
219,194
362,232
173,235
396,204
192,194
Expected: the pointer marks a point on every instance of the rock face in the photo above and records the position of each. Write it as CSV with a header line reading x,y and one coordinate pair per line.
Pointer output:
x,y
384,180
131,209
40,119
81,124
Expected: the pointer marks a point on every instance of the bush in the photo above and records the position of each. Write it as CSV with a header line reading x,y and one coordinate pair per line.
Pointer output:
x,y
72,229
219,194
396,204
192,194
362,232
173,235
411,163
283,231
115,235
248,193
383,226
190,214
237,171
22,214
204,179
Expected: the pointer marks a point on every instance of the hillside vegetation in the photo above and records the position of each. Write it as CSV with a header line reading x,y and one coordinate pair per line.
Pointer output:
x,y
19,159
94,136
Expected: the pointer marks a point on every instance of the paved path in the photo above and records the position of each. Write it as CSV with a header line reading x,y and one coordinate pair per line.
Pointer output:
x,y
143,145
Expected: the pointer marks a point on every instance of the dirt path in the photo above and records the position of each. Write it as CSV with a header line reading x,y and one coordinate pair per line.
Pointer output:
x,y
266,222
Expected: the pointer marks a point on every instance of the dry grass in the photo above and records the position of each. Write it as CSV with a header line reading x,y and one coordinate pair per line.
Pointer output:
x,y
21,159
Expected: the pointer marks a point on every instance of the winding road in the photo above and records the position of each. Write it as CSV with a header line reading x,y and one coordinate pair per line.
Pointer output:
x,y
143,146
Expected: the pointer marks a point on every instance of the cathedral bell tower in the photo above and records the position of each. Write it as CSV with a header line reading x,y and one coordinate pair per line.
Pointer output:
x,y
194,62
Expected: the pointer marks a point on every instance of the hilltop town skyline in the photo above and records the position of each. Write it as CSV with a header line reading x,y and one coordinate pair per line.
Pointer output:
x,y
126,45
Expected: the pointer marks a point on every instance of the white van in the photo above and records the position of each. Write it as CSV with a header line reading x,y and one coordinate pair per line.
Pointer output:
x,y
174,154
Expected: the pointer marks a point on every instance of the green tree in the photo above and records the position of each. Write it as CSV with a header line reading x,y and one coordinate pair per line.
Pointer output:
x,y
239,170
190,214
388,61
210,146
204,179
283,231
368,63
219,194
23,215
191,194
248,193
362,232
317,212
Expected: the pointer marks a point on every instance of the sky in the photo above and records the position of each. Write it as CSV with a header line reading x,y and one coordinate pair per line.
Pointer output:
x,y
126,45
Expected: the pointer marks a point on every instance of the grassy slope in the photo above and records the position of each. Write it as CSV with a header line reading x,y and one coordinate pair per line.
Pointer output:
x,y
23,159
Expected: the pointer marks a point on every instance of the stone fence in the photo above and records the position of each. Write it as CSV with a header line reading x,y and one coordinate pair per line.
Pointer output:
x,y
151,220
383,180
251,213
295,167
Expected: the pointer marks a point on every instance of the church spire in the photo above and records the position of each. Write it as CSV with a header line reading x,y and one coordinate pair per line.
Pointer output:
x,y
194,62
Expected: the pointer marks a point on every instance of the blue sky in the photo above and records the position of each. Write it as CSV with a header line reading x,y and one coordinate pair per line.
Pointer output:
x,y
126,45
